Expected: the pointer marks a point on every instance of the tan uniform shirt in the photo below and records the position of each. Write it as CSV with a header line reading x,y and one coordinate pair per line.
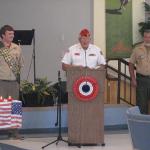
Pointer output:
x,y
5,71
141,58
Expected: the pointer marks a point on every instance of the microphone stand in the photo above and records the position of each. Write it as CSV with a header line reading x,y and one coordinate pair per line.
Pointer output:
x,y
59,137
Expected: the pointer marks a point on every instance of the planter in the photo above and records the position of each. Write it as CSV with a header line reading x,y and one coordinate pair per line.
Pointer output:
x,y
47,101
32,100
37,94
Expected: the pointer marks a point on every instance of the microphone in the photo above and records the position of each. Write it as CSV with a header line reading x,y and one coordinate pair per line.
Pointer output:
x,y
85,60
59,79
85,85
58,73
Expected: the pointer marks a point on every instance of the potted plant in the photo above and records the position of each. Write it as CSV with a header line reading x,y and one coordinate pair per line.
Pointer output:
x,y
40,93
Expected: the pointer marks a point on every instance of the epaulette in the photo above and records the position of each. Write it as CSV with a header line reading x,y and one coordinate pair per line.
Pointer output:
x,y
137,44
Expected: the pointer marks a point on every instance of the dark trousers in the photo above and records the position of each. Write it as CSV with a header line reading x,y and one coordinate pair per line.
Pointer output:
x,y
143,92
9,88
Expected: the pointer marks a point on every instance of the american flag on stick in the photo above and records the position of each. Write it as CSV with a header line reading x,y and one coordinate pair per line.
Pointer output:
x,y
5,115
10,114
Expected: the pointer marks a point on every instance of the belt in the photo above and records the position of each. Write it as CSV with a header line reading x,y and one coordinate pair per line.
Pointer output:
x,y
8,80
143,76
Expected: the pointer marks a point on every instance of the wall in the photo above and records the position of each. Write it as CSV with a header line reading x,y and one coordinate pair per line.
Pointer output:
x,y
114,117
56,23
99,23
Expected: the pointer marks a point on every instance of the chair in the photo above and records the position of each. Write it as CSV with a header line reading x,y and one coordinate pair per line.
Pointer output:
x,y
139,128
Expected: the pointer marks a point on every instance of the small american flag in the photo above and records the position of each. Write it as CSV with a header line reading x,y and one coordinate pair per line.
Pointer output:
x,y
16,114
5,114
10,114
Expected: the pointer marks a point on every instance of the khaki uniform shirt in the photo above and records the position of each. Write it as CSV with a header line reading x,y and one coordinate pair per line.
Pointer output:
x,y
141,58
5,71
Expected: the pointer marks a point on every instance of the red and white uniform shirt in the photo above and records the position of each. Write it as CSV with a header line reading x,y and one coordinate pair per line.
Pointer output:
x,y
76,55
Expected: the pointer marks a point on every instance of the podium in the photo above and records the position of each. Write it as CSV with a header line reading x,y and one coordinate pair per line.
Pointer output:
x,y
85,114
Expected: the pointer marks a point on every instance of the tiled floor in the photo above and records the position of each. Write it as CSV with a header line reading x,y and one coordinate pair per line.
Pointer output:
x,y
113,140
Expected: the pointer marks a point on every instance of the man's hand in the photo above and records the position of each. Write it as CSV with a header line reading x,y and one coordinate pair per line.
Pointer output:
x,y
133,82
132,75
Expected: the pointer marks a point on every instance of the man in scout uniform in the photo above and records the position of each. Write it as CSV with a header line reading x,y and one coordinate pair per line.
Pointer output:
x,y
10,65
140,57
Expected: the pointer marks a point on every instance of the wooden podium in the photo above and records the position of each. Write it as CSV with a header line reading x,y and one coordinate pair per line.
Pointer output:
x,y
85,118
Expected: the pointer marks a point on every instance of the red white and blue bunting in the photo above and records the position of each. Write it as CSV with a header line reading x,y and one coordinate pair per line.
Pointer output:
x,y
86,88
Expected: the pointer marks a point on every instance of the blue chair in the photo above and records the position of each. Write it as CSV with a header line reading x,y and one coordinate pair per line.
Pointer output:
x,y
139,128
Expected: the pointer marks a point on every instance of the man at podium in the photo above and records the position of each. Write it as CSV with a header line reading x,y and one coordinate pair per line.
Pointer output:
x,y
83,54
85,89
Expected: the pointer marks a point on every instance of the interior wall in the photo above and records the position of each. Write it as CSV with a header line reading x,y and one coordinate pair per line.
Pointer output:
x,y
99,24
56,23
99,21
138,15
